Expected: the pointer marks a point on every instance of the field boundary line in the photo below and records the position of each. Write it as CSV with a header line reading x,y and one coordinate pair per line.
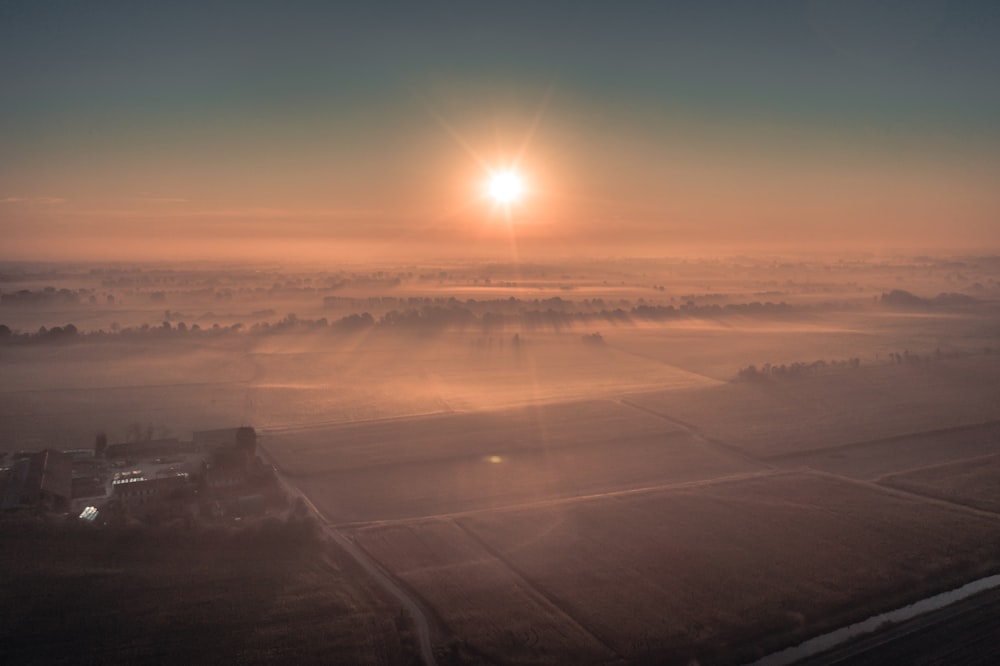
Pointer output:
x,y
672,366
450,458
899,492
718,444
923,468
281,429
419,416
778,457
538,589
558,501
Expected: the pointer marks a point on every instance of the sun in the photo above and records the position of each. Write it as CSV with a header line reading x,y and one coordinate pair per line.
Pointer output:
x,y
505,187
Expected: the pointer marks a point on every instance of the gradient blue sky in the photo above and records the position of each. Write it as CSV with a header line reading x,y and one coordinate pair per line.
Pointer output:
x,y
132,129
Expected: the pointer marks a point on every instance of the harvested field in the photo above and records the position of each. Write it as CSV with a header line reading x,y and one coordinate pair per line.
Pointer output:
x,y
445,437
62,394
69,418
721,572
719,346
550,367
122,363
483,602
770,418
974,482
458,370
443,464
429,488
871,460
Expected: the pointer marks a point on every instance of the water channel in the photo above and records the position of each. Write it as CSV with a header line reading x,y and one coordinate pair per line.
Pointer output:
x,y
819,644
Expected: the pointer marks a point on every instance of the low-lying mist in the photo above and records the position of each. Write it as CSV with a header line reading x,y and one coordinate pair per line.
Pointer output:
x,y
89,348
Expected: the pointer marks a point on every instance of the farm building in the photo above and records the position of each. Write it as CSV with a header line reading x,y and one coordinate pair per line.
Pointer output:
x,y
227,468
42,479
136,491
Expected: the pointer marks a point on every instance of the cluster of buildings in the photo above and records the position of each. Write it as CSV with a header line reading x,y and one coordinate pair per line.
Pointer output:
x,y
217,469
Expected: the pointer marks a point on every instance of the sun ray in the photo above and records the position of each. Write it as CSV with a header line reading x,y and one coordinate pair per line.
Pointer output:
x,y
536,121
446,126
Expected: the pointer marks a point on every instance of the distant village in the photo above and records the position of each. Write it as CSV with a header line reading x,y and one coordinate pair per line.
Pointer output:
x,y
215,476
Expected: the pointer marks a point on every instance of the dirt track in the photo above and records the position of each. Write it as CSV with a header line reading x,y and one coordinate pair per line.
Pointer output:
x,y
421,620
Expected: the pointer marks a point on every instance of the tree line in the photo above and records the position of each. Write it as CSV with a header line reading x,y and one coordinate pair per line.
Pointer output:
x,y
428,319
752,373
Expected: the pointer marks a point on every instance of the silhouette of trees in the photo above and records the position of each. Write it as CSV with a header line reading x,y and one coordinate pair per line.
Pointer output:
x,y
899,298
795,370
355,322
426,315
45,297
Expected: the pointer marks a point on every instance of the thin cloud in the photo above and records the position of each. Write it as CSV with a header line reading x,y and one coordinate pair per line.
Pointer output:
x,y
43,201
244,213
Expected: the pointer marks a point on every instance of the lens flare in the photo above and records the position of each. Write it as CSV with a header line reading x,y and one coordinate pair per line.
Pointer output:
x,y
506,187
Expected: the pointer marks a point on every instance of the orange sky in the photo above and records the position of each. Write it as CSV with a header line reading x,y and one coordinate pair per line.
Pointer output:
x,y
365,137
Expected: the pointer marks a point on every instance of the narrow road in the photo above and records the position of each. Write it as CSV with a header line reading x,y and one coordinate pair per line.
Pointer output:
x,y
421,621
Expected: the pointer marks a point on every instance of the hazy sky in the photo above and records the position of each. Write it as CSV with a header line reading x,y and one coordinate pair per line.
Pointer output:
x,y
174,129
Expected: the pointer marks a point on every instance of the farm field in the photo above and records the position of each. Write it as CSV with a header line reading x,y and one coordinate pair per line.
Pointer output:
x,y
489,607
392,492
872,460
64,394
448,436
973,482
69,418
721,572
61,395
386,376
717,347
460,462
866,404
189,597
114,364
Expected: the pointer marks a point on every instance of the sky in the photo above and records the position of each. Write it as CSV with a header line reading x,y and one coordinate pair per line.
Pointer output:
x,y
174,130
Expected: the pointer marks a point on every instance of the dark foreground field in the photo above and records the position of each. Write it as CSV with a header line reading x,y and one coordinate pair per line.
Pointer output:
x,y
260,596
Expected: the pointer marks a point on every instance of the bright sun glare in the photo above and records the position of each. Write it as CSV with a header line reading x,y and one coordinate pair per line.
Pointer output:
x,y
506,187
